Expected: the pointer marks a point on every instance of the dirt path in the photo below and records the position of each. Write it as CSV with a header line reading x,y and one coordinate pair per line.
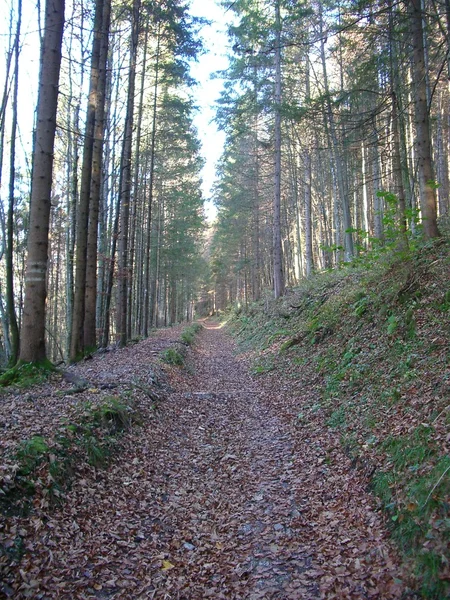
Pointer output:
x,y
219,496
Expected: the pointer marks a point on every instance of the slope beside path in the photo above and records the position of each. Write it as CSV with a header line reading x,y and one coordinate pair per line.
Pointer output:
x,y
219,495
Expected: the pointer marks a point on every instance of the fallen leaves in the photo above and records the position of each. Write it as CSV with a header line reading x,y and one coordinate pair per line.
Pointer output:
x,y
217,496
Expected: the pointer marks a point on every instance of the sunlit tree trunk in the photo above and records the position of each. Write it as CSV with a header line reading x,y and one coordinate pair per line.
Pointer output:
x,y
32,342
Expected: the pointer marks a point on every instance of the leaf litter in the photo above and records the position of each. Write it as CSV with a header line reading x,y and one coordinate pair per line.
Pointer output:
x,y
218,494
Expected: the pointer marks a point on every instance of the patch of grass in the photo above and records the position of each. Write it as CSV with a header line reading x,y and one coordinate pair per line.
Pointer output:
x,y
410,450
419,516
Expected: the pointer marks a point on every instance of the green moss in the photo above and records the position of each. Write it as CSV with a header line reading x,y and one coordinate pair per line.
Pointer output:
x,y
27,374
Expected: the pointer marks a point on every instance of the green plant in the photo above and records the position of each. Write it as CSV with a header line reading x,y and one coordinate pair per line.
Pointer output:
x,y
264,367
338,418
445,304
112,414
360,306
31,453
392,324
187,337
171,356
97,452
408,450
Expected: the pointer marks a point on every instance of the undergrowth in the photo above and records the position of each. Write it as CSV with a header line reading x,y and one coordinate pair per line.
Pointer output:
x,y
45,468
373,337
26,375
176,355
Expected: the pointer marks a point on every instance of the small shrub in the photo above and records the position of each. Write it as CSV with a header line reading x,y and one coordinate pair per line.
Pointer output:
x,y
113,415
171,356
187,337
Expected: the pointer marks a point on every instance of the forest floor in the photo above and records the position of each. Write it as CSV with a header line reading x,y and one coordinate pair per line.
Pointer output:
x,y
216,493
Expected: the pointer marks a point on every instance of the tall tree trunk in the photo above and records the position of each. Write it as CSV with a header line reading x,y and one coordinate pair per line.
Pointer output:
x,y
427,184
308,177
77,340
137,181
278,275
3,106
90,322
10,304
399,189
340,178
377,185
147,279
125,186
32,342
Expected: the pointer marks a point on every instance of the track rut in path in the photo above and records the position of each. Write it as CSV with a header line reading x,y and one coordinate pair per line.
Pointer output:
x,y
216,497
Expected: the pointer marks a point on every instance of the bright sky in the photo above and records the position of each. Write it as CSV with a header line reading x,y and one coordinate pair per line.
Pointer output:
x,y
208,90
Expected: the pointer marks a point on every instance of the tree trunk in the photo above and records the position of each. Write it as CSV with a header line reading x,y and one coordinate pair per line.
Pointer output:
x,y
77,340
90,321
147,279
32,342
340,178
125,187
10,304
278,275
308,176
427,184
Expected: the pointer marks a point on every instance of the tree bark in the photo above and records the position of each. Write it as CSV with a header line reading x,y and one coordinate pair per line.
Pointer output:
x,y
278,275
125,186
90,324
147,279
309,265
427,184
10,304
32,342
339,175
77,340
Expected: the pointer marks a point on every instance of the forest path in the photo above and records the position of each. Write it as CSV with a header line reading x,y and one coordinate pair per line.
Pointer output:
x,y
221,496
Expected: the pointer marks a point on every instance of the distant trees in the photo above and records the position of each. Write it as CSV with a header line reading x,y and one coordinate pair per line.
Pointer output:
x,y
364,128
